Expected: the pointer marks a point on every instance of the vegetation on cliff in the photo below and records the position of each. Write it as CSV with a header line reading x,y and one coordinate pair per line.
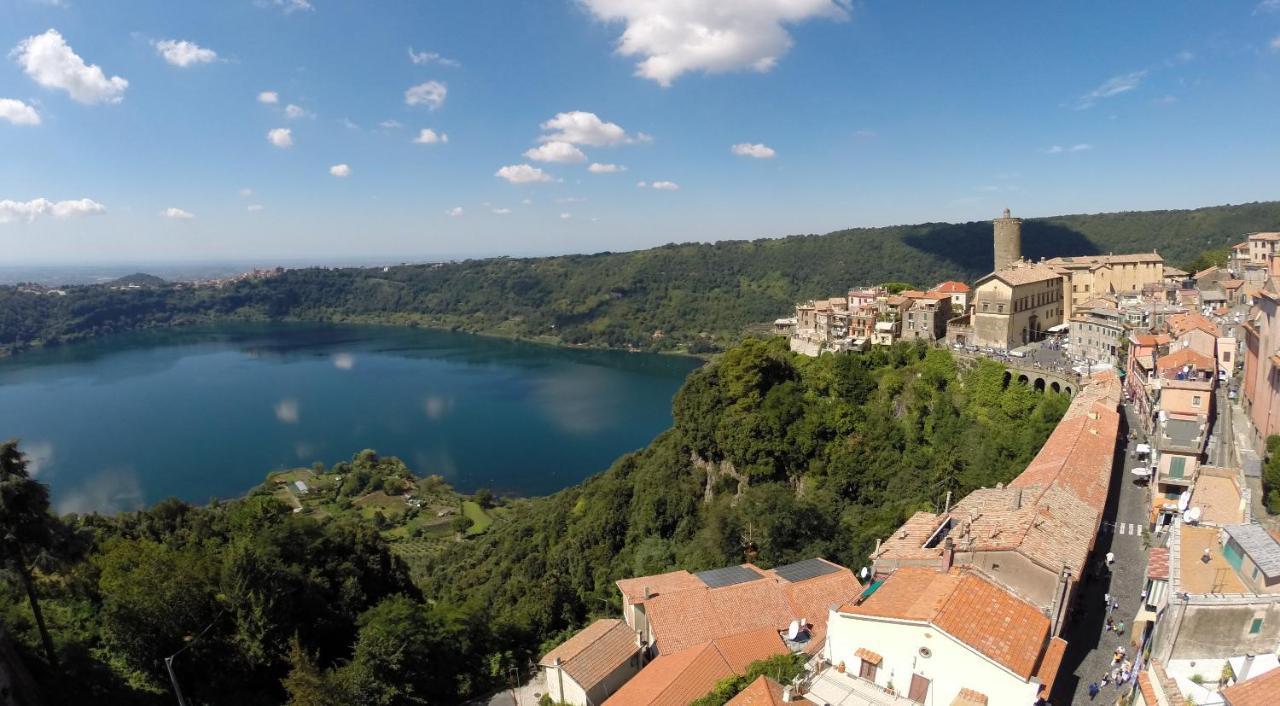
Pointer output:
x,y
695,297
773,457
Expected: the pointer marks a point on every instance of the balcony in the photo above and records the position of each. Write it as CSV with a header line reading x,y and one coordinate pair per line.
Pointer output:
x,y
830,686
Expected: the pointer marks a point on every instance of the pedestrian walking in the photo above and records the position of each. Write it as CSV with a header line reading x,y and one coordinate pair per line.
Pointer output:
x,y
1111,558
1093,690
1120,628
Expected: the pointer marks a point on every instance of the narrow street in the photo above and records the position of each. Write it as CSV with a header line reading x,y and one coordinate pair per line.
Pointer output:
x,y
1090,645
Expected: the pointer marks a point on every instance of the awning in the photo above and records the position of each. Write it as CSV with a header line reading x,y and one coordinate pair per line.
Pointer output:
x,y
868,656
1142,449
1059,328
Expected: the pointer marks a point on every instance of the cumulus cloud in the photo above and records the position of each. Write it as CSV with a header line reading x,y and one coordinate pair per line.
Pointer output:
x,y
29,211
294,112
427,136
454,212
560,152
430,57
50,62
598,168
758,151
177,214
268,97
183,53
431,94
17,112
288,7
578,127
340,170
281,137
665,186
522,174
502,211
672,37
390,124
1113,86
1059,149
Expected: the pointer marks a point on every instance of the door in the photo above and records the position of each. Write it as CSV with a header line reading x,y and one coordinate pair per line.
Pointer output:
x,y
919,688
868,671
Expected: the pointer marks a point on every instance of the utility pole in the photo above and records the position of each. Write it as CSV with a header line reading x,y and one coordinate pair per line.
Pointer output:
x,y
173,678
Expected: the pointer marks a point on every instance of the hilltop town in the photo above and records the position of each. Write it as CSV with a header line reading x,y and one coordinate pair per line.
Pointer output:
x,y
1133,560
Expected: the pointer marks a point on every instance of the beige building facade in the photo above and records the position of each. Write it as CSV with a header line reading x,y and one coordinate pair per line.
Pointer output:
x,y
1016,305
1089,276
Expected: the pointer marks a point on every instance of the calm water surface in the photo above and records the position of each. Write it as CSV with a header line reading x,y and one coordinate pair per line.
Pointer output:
x,y
200,413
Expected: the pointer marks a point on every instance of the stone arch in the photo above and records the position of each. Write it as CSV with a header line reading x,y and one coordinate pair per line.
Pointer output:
x,y
1067,390
1055,386
1039,385
1023,379
1008,378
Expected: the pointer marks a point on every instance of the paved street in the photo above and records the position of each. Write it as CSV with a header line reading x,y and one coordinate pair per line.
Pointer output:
x,y
1090,646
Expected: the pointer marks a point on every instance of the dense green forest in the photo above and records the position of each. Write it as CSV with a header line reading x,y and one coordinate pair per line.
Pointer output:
x,y
772,456
695,297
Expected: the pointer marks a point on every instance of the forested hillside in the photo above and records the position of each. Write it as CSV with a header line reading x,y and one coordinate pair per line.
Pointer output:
x,y
773,457
691,296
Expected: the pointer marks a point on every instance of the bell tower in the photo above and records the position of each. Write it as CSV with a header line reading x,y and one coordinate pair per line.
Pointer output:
x,y
1008,232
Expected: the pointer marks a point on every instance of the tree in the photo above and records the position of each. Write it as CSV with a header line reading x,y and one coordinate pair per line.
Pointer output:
x,y
27,529
306,684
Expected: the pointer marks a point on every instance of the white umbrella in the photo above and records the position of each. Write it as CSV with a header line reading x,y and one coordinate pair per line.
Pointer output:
x,y
1192,516
1141,472
1184,500
1142,449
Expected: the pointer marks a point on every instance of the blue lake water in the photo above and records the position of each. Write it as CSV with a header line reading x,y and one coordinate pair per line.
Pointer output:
x,y
124,421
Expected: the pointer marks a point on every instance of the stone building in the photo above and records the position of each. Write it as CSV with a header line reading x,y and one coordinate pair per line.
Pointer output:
x,y
1016,305
1088,276
1008,231
1097,335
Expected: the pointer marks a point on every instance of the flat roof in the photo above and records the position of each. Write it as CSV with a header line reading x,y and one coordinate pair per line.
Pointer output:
x,y
1261,547
1195,575
1218,498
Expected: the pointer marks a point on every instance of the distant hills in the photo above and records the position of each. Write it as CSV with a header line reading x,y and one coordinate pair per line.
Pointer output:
x,y
139,279
696,297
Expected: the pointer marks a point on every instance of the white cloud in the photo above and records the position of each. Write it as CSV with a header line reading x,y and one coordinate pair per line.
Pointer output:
x,y
50,62
676,36
561,152
571,199
758,151
522,174
566,216
246,192
269,97
17,112
281,137
578,127
641,184
665,186
349,124
254,208
1275,43
502,211
430,57
1083,146
1059,149
340,170
1113,86
598,168
390,124
430,94
183,53
1267,6
454,212
288,6
527,202
294,112
287,411
177,214
427,136
29,211
864,134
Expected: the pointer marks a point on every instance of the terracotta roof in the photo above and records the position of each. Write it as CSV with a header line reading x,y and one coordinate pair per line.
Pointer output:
x,y
1231,283
1024,274
1264,236
952,287
691,616
1206,272
1258,691
1174,272
1050,664
974,611
969,697
1186,356
1182,323
658,584
866,655
681,677
1158,563
1148,692
595,652
1148,339
761,692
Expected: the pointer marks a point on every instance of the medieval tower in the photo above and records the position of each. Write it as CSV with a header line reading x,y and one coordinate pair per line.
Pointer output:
x,y
1008,240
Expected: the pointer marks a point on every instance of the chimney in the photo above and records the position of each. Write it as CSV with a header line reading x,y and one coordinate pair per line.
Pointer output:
x,y
1015,499
948,555
786,694
1248,664
647,593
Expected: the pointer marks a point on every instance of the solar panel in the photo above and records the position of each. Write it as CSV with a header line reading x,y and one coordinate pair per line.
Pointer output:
x,y
807,569
728,576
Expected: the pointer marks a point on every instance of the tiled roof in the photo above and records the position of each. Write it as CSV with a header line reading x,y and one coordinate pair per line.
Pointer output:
x,y
1024,274
952,287
1265,236
595,652
1006,629
969,697
1050,664
678,678
1182,323
1158,563
1206,272
866,655
1148,339
1186,356
1258,691
1148,692
1094,260
761,692
690,616
658,584
1262,548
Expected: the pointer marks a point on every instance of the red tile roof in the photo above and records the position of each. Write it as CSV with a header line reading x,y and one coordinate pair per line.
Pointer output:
x,y
969,697
1182,323
595,652
1186,356
1258,691
952,287
1148,692
658,584
681,677
1158,563
1050,664
1004,628
761,692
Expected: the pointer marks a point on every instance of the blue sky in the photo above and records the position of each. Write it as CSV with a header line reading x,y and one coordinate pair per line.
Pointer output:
x,y
136,130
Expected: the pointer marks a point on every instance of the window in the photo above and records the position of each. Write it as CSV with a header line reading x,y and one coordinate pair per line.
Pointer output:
x,y
1256,626
999,308
985,306
1177,466
1195,401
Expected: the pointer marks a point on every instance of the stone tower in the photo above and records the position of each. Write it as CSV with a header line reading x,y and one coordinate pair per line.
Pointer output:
x,y
1008,240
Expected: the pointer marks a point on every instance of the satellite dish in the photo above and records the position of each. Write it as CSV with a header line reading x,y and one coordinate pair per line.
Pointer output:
x,y
864,572
794,630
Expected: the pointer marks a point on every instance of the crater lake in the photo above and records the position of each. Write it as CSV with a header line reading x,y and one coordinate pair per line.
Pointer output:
x,y
198,413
